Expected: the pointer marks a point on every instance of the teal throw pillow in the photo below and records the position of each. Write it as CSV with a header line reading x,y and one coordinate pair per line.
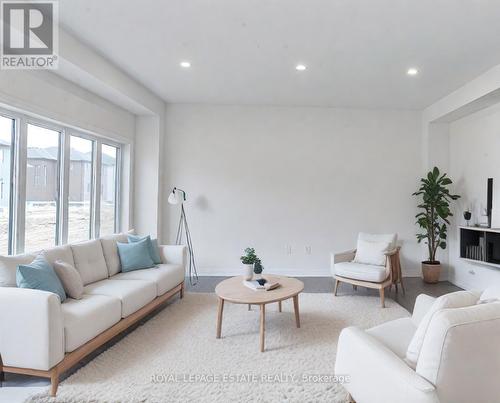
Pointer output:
x,y
40,275
153,246
135,256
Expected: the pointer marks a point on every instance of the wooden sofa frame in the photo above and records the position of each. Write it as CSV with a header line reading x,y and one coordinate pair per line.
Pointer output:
x,y
73,358
393,266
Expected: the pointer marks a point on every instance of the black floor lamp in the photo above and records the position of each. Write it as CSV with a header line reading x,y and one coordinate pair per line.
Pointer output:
x,y
175,198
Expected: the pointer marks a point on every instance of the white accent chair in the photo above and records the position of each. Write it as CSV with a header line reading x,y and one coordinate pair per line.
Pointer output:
x,y
458,359
345,268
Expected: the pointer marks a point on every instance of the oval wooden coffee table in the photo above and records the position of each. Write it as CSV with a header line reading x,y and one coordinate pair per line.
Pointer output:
x,y
233,290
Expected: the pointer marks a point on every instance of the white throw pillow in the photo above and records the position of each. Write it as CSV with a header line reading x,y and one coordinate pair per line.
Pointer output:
x,y
63,253
490,294
457,299
70,279
110,251
392,238
8,267
371,252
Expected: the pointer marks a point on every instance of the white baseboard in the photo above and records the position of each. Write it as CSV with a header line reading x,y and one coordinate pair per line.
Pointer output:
x,y
218,271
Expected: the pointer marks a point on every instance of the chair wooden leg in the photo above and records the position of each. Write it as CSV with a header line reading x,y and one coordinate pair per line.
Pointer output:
x,y
400,276
54,382
396,287
181,292
382,297
279,306
402,285
249,307
337,282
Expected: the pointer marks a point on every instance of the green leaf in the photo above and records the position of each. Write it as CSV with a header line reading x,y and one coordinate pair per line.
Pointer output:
x,y
434,205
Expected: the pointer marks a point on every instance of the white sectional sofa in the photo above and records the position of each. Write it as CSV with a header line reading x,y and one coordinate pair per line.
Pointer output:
x,y
41,336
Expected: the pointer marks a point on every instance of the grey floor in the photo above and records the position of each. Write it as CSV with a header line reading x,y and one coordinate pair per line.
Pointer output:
x,y
414,286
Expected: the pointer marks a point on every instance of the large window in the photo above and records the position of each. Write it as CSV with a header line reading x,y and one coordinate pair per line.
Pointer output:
x,y
80,189
57,184
6,140
109,160
42,188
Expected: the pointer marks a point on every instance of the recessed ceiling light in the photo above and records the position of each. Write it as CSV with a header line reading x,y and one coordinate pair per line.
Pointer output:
x,y
185,64
300,67
412,71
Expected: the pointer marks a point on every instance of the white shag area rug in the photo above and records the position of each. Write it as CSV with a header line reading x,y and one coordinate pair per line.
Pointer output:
x,y
175,357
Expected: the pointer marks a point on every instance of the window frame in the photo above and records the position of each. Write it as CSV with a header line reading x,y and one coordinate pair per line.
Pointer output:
x,y
13,166
117,192
18,183
93,169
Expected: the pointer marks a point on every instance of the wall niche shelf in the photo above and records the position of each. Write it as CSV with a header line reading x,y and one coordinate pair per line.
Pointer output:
x,y
480,245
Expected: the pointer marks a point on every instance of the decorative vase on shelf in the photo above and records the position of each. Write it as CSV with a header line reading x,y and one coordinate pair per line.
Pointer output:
x,y
248,272
467,216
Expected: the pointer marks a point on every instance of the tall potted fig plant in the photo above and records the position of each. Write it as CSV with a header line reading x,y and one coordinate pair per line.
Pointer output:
x,y
433,219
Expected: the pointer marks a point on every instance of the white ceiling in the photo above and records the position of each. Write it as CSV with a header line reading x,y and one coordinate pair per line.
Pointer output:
x,y
357,52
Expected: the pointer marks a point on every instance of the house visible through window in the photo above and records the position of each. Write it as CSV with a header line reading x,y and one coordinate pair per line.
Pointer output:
x,y
40,177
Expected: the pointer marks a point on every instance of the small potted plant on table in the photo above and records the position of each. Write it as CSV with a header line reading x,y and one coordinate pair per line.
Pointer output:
x,y
434,219
248,260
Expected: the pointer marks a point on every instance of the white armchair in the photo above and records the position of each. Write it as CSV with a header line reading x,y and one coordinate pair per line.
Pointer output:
x,y
379,268
458,362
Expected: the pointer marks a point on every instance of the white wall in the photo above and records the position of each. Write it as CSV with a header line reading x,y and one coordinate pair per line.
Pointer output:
x,y
50,96
474,157
146,169
270,176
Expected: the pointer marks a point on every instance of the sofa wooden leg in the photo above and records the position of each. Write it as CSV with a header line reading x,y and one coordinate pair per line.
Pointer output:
x,y
337,282
54,382
181,292
355,287
382,297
